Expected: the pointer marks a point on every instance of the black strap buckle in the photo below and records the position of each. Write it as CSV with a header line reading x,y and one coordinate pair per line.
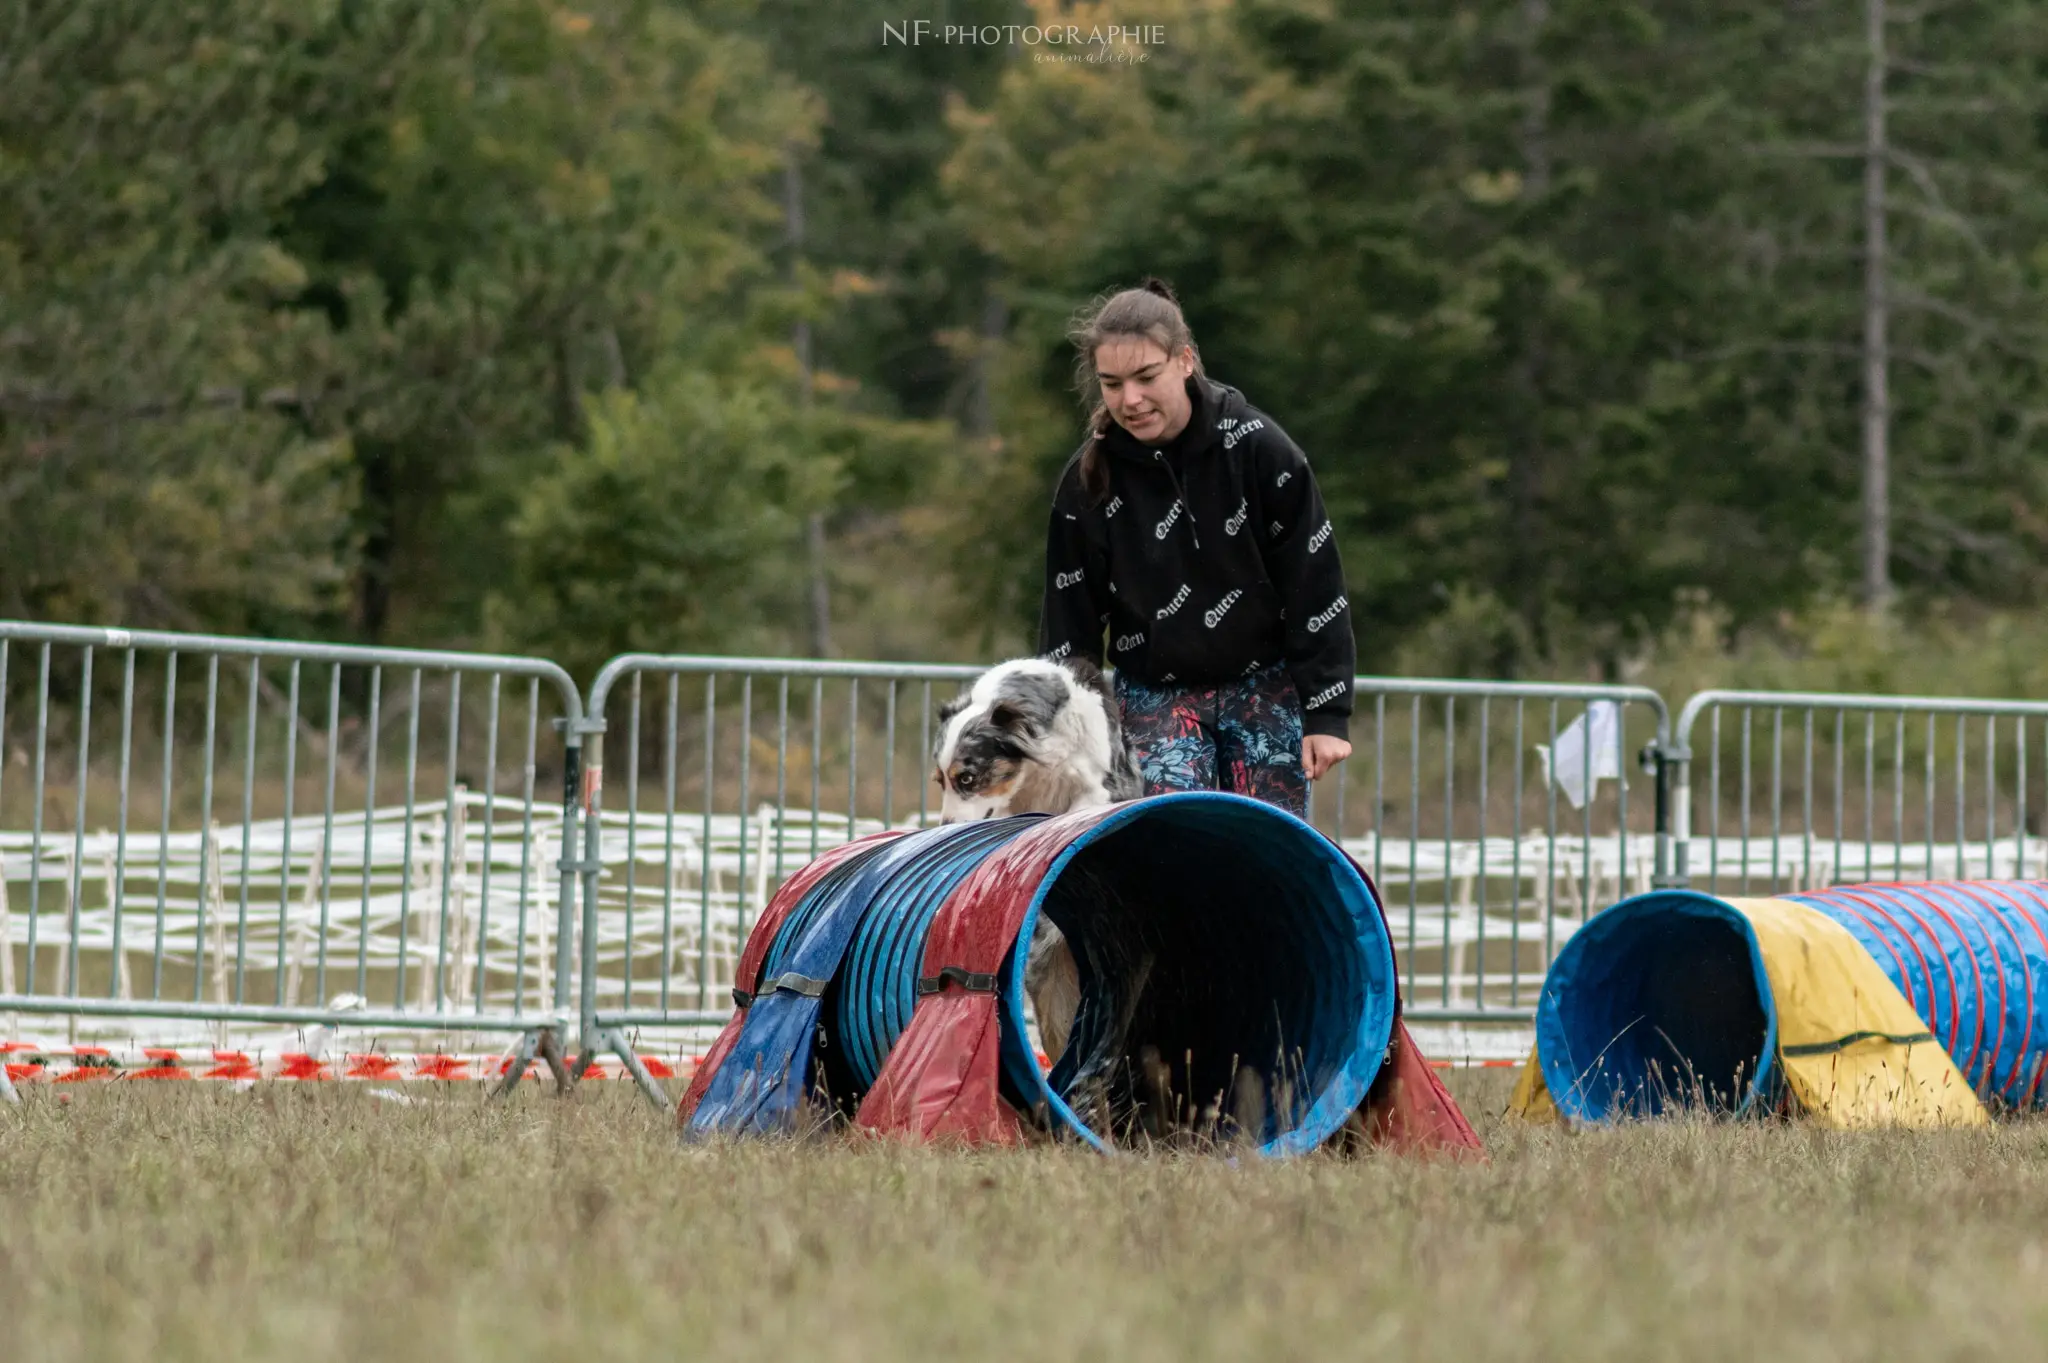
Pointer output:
x,y
741,998
795,984
971,981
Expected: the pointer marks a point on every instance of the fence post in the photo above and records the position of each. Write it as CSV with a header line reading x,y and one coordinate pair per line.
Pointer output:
x,y
1669,760
12,1022
587,793
1679,753
1676,768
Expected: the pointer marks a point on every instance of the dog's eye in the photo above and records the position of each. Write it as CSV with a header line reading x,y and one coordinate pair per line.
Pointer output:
x,y
964,781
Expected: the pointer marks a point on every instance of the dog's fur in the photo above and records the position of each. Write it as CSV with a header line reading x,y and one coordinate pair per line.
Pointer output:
x,y
1036,736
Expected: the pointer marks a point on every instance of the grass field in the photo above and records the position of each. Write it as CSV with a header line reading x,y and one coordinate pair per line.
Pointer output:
x,y
168,1223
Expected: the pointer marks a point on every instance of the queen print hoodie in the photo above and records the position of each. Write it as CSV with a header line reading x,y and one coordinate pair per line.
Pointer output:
x,y
1211,558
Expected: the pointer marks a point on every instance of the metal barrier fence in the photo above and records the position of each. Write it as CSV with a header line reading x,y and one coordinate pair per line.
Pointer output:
x,y
435,916
670,891
191,833
1483,856
1859,788
727,774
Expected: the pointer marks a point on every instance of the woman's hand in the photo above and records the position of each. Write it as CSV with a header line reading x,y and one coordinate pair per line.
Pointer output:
x,y
1320,752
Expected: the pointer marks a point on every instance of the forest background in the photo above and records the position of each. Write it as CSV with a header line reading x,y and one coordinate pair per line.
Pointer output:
x,y
1690,343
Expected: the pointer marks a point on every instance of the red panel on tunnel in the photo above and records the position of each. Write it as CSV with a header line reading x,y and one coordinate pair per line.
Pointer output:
x,y
1408,1109
940,1081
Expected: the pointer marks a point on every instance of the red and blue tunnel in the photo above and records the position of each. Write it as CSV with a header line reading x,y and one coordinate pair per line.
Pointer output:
x,y
1237,976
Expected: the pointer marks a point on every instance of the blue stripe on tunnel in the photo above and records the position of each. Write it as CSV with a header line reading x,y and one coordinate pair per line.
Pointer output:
x,y
879,988
1976,934
764,1078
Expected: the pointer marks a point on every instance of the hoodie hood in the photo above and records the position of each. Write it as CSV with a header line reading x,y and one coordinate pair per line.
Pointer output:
x,y
1209,403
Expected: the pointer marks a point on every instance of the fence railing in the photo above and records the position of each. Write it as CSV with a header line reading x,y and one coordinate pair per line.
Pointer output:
x,y
448,912
1778,791
1482,856
674,879
721,776
209,833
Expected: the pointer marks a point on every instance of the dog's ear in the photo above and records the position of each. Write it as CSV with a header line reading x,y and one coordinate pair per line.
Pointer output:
x,y
1009,717
945,716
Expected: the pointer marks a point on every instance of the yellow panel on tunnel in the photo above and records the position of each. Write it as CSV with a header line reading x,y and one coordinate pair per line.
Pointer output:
x,y
1851,1047
1531,1100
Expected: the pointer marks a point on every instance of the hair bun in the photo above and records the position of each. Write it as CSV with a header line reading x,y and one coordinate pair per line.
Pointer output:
x,y
1154,284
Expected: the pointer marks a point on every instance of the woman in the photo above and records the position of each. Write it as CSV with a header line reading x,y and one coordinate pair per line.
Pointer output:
x,y
1189,530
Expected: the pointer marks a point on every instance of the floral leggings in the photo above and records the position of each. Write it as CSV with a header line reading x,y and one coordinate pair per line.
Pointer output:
x,y
1243,736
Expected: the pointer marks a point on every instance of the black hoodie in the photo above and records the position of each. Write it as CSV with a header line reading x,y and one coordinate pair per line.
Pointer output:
x,y
1211,558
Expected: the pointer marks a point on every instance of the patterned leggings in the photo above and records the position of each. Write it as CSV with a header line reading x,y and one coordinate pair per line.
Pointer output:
x,y
1242,736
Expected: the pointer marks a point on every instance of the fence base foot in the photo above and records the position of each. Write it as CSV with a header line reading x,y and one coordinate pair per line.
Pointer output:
x,y
551,1056
522,1058
543,1044
624,1051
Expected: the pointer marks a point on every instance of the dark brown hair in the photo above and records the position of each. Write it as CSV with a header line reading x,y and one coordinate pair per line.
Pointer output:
x,y
1149,312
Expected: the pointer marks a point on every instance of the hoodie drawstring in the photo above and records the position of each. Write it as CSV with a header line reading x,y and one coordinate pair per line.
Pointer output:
x,y
1160,458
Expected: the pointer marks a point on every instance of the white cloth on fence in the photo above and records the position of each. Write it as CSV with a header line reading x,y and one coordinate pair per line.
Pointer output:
x,y
1568,766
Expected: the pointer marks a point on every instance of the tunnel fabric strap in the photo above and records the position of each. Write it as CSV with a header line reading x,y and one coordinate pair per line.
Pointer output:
x,y
1845,1042
974,982
796,984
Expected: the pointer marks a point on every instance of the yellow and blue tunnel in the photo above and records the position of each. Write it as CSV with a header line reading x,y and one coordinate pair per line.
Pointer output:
x,y
1866,1005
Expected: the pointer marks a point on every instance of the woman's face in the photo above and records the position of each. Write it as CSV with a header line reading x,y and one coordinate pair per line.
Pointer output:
x,y
1144,388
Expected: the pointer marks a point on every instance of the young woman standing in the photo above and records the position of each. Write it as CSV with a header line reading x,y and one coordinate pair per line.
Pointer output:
x,y
1188,532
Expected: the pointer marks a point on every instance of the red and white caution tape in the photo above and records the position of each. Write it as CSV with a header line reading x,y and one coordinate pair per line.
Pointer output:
x,y
31,1063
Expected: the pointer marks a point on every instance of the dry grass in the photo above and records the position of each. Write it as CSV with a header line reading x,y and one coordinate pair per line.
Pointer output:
x,y
170,1223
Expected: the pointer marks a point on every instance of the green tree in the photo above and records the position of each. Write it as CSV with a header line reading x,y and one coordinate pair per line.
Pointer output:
x,y
171,451
1564,299
551,202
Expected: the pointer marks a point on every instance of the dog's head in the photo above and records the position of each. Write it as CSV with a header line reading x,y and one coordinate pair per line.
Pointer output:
x,y
1030,736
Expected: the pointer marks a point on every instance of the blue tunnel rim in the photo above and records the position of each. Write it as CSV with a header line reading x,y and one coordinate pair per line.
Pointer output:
x,y
1558,1076
1373,1034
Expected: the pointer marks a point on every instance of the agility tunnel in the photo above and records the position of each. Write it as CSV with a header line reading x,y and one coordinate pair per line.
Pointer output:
x,y
1866,1005
1236,971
